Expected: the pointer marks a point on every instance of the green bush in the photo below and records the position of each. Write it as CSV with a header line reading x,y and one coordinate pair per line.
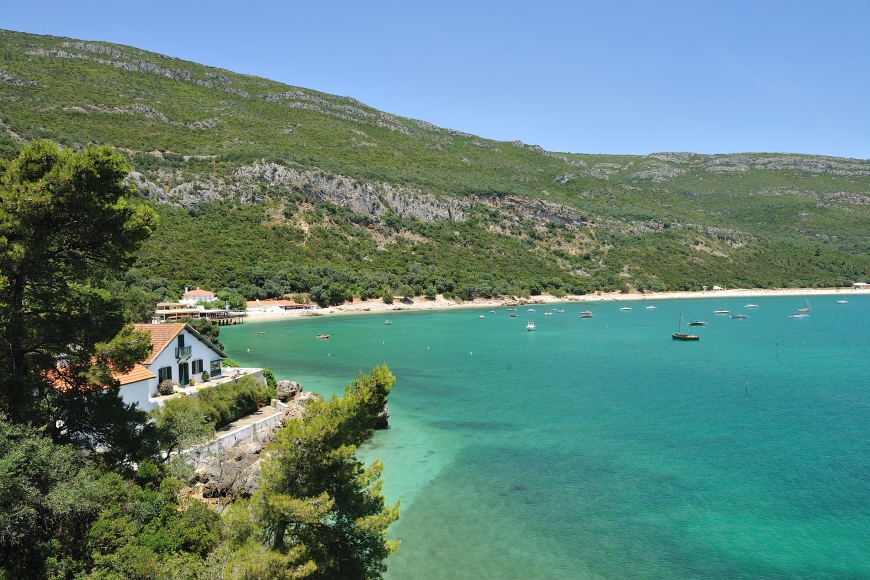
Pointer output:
x,y
224,403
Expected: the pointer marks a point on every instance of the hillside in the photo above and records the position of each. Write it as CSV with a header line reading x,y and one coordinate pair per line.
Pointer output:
x,y
265,189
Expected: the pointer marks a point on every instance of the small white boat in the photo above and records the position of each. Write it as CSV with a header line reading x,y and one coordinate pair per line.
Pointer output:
x,y
530,325
739,316
387,322
492,311
513,314
721,312
481,316
750,306
548,314
587,314
842,301
531,310
799,315
625,308
560,311
650,307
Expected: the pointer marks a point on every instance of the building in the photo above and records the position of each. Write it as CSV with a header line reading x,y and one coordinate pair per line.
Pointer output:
x,y
179,353
194,296
861,285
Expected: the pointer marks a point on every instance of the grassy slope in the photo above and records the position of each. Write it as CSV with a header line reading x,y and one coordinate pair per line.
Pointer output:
x,y
690,224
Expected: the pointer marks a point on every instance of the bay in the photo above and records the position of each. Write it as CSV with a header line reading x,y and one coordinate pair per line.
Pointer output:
x,y
602,448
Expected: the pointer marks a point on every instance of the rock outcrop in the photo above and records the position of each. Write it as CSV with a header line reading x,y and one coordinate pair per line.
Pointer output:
x,y
288,390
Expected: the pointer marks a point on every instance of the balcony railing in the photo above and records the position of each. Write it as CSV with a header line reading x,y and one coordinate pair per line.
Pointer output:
x,y
182,352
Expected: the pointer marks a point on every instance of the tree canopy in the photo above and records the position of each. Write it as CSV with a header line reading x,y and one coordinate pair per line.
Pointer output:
x,y
67,226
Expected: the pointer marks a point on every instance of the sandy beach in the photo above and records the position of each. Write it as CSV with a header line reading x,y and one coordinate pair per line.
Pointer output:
x,y
378,307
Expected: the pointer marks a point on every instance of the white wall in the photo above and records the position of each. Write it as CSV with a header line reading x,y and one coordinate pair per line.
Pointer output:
x,y
167,358
138,393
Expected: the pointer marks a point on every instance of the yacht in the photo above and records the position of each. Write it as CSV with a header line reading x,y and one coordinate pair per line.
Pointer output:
x,y
842,301
720,312
587,314
697,322
530,325
799,315
625,308
739,316
750,305
650,307
548,314
531,310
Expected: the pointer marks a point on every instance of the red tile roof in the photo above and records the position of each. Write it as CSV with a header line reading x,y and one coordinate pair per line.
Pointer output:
x,y
136,374
198,292
161,335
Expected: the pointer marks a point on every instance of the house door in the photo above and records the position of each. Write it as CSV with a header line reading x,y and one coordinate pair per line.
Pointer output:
x,y
183,374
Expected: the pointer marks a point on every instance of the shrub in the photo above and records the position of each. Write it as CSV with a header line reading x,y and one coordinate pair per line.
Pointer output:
x,y
204,376
388,298
270,379
165,387
223,404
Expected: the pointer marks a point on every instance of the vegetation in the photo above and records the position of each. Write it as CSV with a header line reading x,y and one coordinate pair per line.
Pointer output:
x,y
85,491
666,221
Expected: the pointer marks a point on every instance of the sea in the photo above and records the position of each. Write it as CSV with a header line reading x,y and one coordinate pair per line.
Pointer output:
x,y
600,447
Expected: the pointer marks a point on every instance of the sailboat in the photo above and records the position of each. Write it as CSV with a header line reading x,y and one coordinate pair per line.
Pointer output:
x,y
806,308
682,335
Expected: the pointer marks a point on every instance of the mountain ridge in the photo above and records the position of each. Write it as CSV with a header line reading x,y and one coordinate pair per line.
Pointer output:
x,y
198,135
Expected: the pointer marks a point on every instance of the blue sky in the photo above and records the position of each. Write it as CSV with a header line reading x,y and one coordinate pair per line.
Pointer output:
x,y
586,77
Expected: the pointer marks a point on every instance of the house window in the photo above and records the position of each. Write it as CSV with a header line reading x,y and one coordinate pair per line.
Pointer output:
x,y
197,366
164,373
215,367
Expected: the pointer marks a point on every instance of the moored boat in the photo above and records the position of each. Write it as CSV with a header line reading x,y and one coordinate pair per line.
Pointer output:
x,y
842,301
806,308
530,325
720,312
697,322
680,335
625,308
587,314
322,336
799,314
481,316
739,316
650,307
513,314
750,305
387,322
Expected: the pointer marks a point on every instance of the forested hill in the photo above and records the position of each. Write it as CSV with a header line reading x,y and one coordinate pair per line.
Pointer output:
x,y
264,189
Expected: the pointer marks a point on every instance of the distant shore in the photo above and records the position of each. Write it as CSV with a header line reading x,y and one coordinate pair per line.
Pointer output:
x,y
441,303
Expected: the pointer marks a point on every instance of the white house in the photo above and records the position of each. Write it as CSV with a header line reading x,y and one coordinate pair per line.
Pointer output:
x,y
861,285
272,306
179,353
194,296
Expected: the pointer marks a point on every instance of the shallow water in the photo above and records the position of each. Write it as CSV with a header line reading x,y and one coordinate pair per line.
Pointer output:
x,y
602,448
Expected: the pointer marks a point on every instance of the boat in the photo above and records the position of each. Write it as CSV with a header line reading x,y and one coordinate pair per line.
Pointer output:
x,y
720,312
750,305
513,314
322,336
587,314
261,333
560,311
680,335
481,316
650,307
548,314
739,316
553,309
531,310
492,311
842,301
510,309
806,308
697,322
625,308
387,322
799,314
530,325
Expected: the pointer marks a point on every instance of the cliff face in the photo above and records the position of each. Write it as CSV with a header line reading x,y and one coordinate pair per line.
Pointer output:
x,y
253,183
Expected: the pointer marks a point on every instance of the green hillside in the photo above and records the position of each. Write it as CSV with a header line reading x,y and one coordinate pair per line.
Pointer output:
x,y
265,189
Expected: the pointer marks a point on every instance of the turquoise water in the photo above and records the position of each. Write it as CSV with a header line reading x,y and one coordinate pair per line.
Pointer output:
x,y
601,448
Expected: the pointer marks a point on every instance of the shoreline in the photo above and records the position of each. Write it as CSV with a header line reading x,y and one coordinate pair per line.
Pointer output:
x,y
376,306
